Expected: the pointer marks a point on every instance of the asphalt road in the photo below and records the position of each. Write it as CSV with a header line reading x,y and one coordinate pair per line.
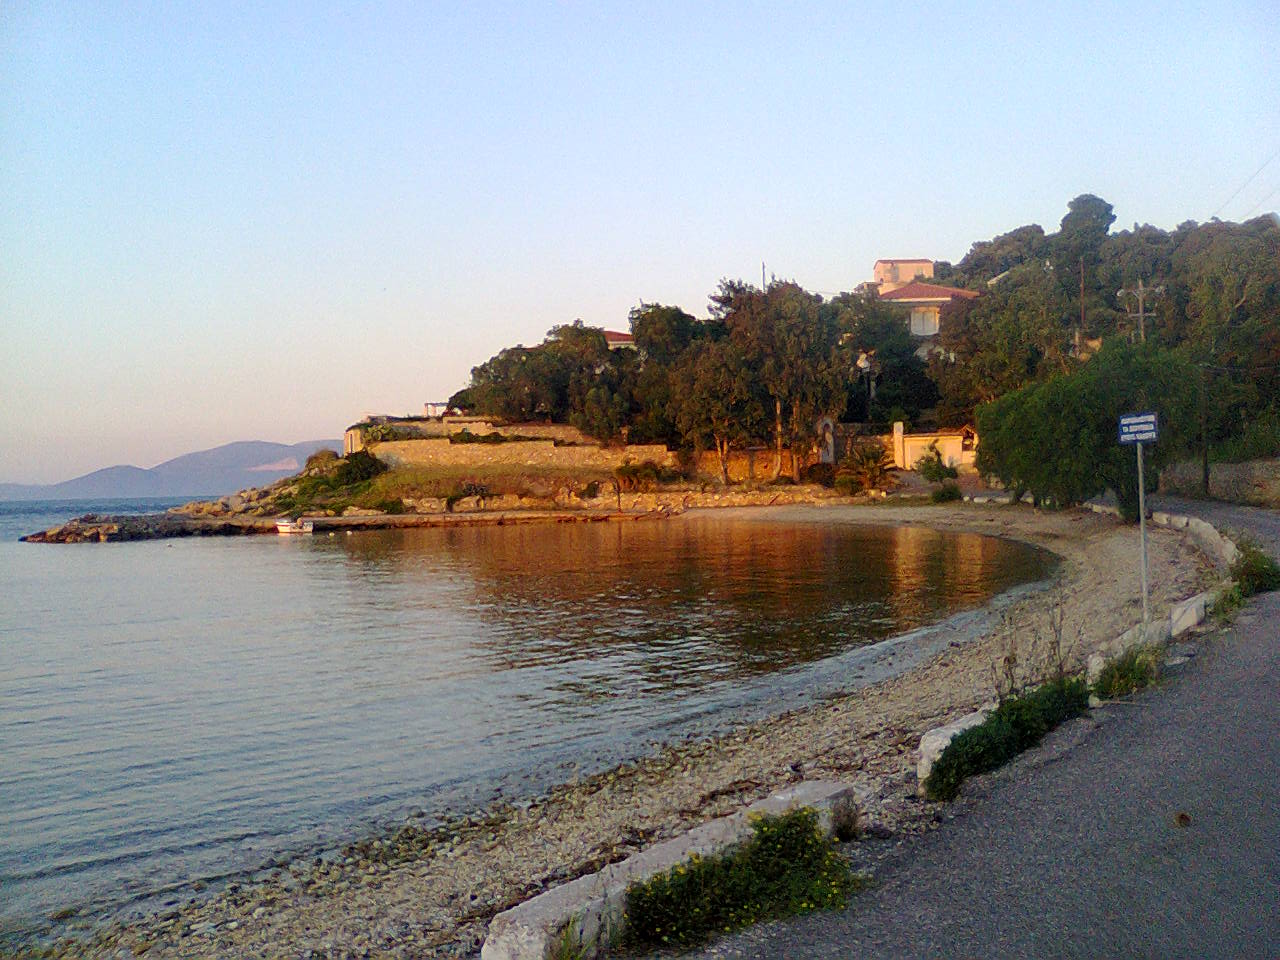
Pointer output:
x,y
1149,829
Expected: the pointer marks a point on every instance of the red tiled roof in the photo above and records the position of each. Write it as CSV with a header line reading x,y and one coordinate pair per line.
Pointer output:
x,y
614,336
928,291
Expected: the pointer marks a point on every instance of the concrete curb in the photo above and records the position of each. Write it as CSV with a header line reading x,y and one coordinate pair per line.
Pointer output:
x,y
1183,615
588,911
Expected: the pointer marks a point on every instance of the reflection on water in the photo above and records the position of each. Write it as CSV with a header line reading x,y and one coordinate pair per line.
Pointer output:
x,y
178,710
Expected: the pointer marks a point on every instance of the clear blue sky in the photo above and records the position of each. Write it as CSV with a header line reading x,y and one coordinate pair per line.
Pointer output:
x,y
260,221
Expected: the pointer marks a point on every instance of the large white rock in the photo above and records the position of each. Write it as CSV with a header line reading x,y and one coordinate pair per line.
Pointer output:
x,y
936,740
589,910
1186,614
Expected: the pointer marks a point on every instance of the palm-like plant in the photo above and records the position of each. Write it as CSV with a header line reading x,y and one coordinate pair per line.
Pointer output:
x,y
866,467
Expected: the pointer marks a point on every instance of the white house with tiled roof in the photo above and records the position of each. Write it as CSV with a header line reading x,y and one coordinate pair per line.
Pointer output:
x,y
925,301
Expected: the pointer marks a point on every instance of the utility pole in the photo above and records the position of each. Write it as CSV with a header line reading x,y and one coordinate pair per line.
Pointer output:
x,y
1081,333
1140,293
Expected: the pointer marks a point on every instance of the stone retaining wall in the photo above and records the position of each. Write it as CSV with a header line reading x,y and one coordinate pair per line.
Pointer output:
x,y
439,452
1256,482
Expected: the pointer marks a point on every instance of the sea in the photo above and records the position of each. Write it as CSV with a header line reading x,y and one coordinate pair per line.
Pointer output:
x,y
175,714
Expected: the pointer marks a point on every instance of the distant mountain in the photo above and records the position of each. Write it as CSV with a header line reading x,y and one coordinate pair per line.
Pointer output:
x,y
213,473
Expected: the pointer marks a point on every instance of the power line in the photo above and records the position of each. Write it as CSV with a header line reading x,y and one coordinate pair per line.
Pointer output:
x,y
1261,203
1245,184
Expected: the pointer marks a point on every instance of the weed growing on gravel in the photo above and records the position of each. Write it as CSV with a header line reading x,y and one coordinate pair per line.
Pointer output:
x,y
787,867
1127,673
1255,571
1017,724
1228,604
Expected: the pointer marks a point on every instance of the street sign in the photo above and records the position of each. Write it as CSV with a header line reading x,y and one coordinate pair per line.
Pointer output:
x,y
1138,428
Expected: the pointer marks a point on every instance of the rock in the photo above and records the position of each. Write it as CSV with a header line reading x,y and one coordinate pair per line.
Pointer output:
x,y
1187,614
1094,667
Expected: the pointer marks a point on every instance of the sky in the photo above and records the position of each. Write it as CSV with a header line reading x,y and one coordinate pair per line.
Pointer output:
x,y
262,221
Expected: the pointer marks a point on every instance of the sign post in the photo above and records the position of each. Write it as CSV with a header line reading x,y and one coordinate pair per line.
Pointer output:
x,y
1140,428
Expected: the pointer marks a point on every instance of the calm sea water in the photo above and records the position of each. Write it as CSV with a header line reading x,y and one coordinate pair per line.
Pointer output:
x,y
189,709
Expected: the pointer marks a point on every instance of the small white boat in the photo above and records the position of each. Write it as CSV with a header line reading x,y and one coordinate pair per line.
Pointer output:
x,y
301,525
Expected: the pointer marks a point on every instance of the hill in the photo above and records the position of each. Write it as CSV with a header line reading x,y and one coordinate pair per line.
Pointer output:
x,y
222,470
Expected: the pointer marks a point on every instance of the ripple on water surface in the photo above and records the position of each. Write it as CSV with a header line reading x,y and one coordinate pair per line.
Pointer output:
x,y
176,710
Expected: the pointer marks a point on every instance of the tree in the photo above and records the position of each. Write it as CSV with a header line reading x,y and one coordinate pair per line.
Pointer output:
x,y
717,403
1056,439
794,348
663,335
869,325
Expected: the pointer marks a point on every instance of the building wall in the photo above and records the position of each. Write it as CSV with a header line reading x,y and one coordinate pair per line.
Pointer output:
x,y
908,448
924,321
892,274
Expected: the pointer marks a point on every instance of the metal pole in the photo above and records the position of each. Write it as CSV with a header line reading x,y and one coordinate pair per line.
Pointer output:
x,y
1204,430
1142,527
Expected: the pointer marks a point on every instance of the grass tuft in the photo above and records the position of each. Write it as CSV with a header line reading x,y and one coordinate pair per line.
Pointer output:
x,y
1254,571
787,867
1128,673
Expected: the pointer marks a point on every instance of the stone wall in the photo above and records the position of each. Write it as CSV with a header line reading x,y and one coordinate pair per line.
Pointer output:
x,y
428,427
1256,482
439,452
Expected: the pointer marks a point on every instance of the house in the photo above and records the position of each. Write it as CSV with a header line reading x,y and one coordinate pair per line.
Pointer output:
x,y
889,275
925,301
619,341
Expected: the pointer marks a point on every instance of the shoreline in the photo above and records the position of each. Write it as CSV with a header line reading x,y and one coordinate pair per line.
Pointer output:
x,y
430,891
191,521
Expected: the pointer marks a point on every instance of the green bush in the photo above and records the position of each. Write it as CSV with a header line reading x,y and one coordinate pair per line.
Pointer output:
x,y
1017,724
931,467
787,867
1254,571
645,476
322,459
1128,673
946,493
358,466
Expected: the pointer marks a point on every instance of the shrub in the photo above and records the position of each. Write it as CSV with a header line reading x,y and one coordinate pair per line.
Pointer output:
x,y
643,476
358,466
932,468
787,867
1017,724
321,460
821,473
946,493
1127,673
867,467
1254,571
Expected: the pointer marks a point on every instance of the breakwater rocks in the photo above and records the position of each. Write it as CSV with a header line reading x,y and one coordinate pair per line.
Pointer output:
x,y
94,528
97,528
242,514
